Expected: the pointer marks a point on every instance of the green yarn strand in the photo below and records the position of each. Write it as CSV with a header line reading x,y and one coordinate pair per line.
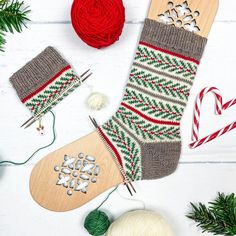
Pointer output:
x,y
41,148
107,197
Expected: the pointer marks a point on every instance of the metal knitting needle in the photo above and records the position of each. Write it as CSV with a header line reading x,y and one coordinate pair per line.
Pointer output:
x,y
127,186
27,121
126,181
40,115
35,119
93,122
132,187
45,111
84,75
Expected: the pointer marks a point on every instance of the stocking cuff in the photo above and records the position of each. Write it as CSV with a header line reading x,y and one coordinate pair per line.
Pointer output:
x,y
173,39
37,72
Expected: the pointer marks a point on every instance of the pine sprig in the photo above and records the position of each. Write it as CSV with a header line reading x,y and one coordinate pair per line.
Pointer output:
x,y
13,16
218,218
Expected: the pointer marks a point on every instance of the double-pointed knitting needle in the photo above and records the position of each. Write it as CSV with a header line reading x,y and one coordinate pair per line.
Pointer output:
x,y
126,181
31,120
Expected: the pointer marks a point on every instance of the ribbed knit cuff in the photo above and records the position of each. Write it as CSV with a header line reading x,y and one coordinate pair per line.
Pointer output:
x,y
37,72
173,39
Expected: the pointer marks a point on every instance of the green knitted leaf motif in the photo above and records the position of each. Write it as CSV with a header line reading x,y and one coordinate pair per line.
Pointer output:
x,y
40,97
166,63
47,108
152,107
146,130
160,85
127,147
55,93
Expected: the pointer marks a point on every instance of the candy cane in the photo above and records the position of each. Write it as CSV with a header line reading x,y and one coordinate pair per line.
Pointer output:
x,y
219,108
213,136
197,110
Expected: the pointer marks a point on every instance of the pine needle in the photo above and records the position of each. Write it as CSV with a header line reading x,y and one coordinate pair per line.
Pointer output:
x,y
2,41
218,218
3,3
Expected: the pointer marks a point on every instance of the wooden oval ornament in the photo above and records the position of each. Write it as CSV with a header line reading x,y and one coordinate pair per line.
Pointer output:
x,y
78,172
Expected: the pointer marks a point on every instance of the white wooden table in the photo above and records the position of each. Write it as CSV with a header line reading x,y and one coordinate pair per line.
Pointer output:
x,y
201,172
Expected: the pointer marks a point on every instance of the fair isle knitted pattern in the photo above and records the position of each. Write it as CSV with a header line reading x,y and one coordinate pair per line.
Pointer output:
x,y
52,92
155,97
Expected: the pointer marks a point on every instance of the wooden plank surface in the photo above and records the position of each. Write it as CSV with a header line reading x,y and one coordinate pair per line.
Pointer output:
x,y
135,11
202,172
170,196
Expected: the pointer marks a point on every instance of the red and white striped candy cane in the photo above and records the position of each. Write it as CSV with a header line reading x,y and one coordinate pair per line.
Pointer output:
x,y
219,108
213,136
198,104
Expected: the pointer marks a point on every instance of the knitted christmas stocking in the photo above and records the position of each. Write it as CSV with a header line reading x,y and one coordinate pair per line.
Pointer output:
x,y
143,137
144,134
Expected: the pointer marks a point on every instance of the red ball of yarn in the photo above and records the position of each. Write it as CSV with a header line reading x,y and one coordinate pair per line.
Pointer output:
x,y
99,23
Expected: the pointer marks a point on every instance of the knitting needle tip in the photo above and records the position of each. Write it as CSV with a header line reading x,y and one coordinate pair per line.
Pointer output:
x,y
87,77
27,121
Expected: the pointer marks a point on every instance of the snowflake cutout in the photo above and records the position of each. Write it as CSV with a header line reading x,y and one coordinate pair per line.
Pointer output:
x,y
76,173
166,17
63,180
192,27
181,16
183,9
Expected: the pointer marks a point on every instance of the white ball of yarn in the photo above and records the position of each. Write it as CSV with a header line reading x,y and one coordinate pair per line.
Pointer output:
x,y
140,223
97,101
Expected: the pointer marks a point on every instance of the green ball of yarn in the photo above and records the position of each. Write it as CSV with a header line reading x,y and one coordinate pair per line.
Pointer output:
x,y
97,223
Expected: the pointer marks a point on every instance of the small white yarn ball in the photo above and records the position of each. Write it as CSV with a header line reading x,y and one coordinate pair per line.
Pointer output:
x,y
96,101
140,223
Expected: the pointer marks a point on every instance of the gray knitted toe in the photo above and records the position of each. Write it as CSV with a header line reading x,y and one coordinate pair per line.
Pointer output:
x,y
159,159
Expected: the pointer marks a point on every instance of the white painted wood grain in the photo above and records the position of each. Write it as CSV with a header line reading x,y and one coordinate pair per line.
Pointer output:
x,y
202,172
136,11
20,215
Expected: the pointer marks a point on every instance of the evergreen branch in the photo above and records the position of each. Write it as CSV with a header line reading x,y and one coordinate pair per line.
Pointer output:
x,y
13,16
218,218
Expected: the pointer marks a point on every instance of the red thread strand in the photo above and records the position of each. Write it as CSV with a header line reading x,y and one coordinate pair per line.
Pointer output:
x,y
162,122
99,23
46,84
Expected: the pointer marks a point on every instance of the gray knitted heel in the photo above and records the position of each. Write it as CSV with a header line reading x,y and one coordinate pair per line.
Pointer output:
x,y
159,159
